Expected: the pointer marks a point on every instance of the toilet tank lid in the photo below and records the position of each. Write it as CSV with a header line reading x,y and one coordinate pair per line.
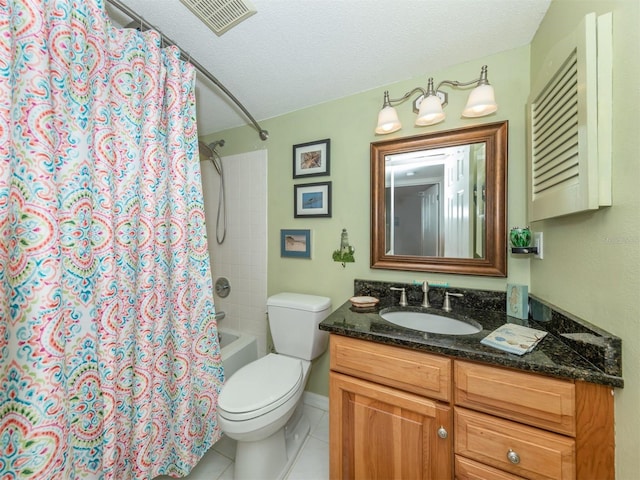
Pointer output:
x,y
299,301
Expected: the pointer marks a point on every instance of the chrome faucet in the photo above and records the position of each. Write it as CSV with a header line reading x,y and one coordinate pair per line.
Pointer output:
x,y
403,296
425,294
446,306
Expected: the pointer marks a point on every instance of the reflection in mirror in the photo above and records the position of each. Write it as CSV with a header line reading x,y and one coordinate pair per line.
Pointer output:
x,y
438,202
434,202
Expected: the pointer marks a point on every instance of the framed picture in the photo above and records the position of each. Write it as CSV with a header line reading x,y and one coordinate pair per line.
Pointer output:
x,y
518,301
311,159
312,200
295,243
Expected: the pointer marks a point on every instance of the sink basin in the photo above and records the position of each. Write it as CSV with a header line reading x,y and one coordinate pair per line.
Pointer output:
x,y
430,322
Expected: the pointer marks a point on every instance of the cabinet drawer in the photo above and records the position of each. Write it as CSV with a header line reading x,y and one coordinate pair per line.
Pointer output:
x,y
412,371
469,470
515,448
532,399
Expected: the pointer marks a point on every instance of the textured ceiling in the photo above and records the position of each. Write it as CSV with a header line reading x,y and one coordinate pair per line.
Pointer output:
x,y
294,54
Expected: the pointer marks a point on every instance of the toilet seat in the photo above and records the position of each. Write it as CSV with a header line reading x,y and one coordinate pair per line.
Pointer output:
x,y
260,387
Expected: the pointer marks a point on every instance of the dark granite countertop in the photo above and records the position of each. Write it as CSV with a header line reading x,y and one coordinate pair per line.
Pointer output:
x,y
554,356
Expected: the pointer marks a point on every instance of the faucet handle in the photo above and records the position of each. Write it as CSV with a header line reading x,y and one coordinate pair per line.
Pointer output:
x,y
403,295
446,306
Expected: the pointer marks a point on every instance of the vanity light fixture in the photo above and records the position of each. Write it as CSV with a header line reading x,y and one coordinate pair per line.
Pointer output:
x,y
428,105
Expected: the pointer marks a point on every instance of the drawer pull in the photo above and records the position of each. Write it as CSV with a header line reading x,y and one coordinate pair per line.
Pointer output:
x,y
513,457
442,432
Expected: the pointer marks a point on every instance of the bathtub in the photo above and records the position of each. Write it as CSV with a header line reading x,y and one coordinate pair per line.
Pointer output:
x,y
237,350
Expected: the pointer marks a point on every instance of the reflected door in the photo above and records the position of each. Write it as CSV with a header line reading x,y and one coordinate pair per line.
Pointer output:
x,y
431,218
457,194
417,221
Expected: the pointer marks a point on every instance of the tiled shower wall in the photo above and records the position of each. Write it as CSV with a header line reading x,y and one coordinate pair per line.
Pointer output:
x,y
242,257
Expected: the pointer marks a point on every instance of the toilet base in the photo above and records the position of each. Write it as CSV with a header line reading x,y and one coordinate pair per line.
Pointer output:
x,y
272,457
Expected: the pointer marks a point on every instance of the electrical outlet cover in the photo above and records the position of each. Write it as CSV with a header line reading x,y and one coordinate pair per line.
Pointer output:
x,y
537,242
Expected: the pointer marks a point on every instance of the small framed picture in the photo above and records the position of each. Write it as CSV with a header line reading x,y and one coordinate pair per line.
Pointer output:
x,y
312,200
295,243
518,301
311,159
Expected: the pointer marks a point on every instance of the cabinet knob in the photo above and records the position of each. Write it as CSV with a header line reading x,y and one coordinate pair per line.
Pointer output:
x,y
442,432
513,457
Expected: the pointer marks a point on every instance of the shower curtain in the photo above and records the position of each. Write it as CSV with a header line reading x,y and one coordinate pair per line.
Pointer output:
x,y
109,357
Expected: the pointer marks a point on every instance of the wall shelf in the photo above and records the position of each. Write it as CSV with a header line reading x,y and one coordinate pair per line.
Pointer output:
x,y
524,250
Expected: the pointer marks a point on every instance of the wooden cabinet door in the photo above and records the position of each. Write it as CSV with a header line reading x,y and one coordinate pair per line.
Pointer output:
x,y
377,432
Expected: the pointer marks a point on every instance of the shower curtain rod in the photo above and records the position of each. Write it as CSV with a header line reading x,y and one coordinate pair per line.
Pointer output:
x,y
167,41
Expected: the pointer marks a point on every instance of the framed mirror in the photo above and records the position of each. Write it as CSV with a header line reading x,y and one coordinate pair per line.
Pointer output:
x,y
438,202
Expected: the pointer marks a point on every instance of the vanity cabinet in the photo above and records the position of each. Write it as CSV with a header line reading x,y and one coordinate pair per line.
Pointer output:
x,y
532,426
400,413
382,424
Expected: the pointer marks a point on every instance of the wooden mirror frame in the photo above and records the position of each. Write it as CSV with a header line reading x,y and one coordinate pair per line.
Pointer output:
x,y
495,136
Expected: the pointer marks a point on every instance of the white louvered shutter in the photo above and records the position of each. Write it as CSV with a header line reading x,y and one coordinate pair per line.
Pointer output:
x,y
569,127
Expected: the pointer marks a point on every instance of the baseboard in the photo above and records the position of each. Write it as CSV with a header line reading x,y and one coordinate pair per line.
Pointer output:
x,y
316,400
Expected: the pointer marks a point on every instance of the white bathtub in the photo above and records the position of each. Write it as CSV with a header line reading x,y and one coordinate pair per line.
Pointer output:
x,y
237,350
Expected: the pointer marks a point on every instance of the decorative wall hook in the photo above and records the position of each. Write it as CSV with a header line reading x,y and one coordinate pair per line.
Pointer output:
x,y
345,253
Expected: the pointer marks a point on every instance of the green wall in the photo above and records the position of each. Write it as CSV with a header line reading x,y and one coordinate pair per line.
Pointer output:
x,y
591,264
349,123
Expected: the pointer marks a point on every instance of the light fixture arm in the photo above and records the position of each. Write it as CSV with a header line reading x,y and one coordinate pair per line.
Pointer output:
x,y
478,81
388,102
482,80
394,101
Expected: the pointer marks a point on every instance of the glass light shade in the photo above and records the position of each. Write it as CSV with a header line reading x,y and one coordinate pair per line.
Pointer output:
x,y
388,121
430,111
481,102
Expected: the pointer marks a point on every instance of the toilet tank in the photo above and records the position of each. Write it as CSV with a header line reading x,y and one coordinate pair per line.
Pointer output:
x,y
294,320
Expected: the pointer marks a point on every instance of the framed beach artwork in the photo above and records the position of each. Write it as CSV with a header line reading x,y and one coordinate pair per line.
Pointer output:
x,y
295,243
311,159
312,200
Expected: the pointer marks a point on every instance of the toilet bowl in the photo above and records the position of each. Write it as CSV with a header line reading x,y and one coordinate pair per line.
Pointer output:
x,y
261,397
260,406
257,411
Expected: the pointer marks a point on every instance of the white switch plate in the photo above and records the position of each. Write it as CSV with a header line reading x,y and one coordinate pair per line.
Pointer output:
x,y
537,242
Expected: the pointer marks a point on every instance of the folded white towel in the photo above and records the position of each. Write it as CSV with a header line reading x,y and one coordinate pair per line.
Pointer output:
x,y
514,338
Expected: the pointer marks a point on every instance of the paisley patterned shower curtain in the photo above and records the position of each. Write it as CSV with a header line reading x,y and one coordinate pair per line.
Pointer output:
x,y
109,360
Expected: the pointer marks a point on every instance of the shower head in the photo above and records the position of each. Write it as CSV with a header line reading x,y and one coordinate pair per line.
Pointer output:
x,y
205,152
208,152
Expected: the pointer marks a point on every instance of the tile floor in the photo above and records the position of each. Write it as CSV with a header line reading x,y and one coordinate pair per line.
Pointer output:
x,y
312,462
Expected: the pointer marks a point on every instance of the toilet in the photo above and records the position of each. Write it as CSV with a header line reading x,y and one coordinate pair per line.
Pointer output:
x,y
260,406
